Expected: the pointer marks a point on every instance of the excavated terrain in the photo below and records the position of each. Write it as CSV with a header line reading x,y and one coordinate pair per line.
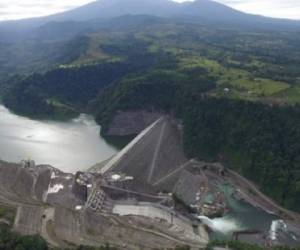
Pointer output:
x,y
46,204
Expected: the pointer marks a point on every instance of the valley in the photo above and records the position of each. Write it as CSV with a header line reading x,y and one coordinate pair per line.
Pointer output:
x,y
150,124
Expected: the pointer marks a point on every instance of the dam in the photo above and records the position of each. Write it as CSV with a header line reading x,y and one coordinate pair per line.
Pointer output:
x,y
148,195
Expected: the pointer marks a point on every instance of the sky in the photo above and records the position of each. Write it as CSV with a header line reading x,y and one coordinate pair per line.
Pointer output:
x,y
18,9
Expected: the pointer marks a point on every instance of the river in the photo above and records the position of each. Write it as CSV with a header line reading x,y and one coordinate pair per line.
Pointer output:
x,y
69,146
243,216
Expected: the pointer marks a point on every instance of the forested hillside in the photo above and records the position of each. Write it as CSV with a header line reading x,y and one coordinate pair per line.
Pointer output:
x,y
258,140
236,91
251,64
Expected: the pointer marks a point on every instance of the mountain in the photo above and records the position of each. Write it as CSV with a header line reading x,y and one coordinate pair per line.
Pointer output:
x,y
115,8
198,10
103,9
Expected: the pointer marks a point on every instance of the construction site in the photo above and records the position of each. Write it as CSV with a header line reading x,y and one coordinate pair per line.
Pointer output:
x,y
147,196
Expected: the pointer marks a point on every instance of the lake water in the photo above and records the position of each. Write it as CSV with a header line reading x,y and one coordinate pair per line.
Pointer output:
x,y
70,146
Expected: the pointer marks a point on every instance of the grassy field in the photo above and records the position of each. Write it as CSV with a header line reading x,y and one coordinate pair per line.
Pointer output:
x,y
291,95
240,83
94,54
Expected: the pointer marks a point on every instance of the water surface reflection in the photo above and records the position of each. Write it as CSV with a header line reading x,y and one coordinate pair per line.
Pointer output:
x,y
70,145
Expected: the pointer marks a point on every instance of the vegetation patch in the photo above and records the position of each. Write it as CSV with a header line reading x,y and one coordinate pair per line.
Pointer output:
x,y
14,241
7,215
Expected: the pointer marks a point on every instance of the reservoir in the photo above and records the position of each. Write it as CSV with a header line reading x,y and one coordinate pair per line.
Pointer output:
x,y
69,146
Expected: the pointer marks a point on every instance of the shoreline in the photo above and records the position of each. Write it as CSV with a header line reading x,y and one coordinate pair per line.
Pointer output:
x,y
252,195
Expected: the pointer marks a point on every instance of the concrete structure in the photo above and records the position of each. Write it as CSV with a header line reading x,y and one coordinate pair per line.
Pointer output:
x,y
147,210
161,214
27,163
80,186
155,153
96,200
120,156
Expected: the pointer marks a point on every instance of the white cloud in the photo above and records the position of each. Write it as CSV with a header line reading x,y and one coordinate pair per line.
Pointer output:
x,y
274,8
17,9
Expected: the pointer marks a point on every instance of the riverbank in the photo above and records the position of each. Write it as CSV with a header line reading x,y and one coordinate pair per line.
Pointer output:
x,y
53,110
250,193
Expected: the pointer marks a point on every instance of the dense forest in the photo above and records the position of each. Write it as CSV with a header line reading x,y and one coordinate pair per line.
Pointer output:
x,y
236,91
258,141
13,241
62,90
72,85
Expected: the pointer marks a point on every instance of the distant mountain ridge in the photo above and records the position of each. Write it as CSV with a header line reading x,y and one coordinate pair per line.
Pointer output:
x,y
195,10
